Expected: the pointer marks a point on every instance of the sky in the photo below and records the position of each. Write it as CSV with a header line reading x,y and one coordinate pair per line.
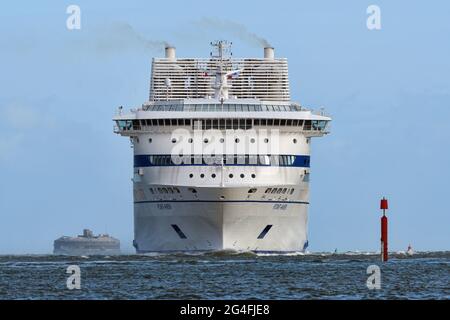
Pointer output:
x,y
63,169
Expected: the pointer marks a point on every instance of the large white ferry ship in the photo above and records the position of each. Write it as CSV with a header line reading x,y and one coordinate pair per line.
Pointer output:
x,y
221,155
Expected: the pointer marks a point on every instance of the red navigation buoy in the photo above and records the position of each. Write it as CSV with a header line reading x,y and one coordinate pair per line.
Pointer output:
x,y
384,230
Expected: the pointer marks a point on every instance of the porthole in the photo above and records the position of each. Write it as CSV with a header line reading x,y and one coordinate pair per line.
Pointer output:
x,y
221,140
236,140
191,175
266,140
190,140
213,175
202,175
230,175
206,140
253,175
174,140
294,140
242,175
252,140
150,140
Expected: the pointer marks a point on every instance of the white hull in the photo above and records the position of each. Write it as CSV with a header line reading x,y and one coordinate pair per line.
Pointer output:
x,y
220,225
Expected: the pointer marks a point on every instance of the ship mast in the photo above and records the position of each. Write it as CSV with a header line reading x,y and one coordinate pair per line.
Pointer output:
x,y
222,52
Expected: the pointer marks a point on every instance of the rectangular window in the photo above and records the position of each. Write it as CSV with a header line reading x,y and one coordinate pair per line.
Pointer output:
x,y
307,125
208,124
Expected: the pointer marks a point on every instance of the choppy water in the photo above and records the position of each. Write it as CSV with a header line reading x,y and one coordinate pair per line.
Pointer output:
x,y
226,275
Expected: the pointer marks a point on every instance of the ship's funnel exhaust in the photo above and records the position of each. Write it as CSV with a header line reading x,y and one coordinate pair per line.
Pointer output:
x,y
269,53
170,53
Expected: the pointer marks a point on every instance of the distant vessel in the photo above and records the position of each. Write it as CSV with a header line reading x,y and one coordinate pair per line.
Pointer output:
x,y
410,251
87,244
221,155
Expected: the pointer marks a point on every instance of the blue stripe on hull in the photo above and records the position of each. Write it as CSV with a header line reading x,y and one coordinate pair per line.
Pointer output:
x,y
143,160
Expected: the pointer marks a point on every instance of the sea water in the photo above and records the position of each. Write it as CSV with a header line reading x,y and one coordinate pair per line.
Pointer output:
x,y
226,275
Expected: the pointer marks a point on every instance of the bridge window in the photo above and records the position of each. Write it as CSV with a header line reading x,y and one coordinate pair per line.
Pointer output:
x,y
307,125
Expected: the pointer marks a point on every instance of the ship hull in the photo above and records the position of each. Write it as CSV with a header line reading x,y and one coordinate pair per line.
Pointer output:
x,y
242,225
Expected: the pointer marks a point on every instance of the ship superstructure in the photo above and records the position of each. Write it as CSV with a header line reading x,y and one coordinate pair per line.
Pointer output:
x,y
221,155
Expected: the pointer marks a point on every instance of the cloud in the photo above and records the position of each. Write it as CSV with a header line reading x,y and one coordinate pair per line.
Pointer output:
x,y
18,122
18,116
10,144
